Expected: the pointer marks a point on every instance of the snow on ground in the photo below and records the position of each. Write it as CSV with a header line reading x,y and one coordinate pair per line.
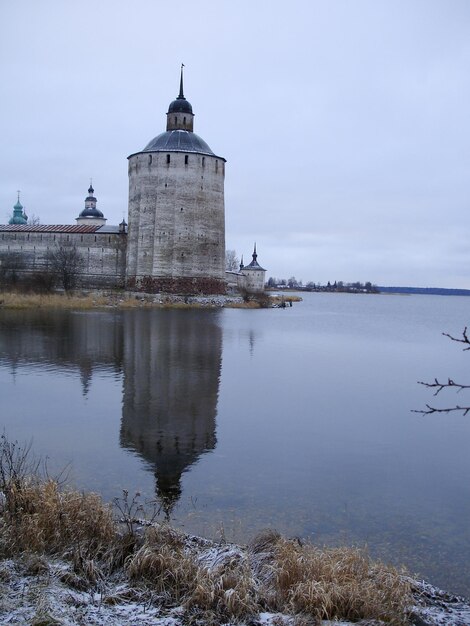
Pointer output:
x,y
43,592
435,607
41,595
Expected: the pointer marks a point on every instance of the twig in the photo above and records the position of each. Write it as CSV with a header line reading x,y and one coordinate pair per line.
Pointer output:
x,y
440,386
465,340
431,409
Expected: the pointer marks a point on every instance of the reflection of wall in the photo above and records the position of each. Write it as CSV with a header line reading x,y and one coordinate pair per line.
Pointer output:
x,y
70,340
172,362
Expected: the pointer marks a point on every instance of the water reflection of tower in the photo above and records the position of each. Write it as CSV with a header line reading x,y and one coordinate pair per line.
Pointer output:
x,y
172,362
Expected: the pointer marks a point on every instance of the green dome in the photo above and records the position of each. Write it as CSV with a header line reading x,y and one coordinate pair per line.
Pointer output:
x,y
19,216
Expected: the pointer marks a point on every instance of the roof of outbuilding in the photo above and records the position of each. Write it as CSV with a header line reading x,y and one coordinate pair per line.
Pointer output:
x,y
254,265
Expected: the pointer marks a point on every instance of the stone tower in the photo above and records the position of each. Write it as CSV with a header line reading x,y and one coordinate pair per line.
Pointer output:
x,y
176,236
254,274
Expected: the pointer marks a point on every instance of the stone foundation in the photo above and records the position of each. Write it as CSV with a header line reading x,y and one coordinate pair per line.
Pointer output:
x,y
184,286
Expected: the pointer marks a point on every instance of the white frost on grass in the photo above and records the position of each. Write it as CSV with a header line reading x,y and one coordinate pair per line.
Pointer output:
x,y
438,608
25,599
40,591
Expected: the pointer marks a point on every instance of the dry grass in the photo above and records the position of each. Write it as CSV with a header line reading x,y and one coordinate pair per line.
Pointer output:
x,y
18,300
251,304
58,301
173,570
40,517
330,583
213,583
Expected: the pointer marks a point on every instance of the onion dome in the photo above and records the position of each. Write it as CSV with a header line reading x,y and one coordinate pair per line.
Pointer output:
x,y
90,214
19,216
90,209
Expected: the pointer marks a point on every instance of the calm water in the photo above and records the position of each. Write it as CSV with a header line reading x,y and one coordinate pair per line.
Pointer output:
x,y
296,419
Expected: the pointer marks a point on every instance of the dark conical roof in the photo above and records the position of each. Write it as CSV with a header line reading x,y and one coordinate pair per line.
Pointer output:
x,y
254,265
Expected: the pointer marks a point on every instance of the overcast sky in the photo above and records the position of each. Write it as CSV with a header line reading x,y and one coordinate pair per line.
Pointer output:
x,y
345,124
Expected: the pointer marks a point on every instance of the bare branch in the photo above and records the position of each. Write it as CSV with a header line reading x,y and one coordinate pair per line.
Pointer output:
x,y
465,339
431,409
440,386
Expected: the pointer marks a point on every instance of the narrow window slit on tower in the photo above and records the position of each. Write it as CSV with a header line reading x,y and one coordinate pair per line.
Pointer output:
x,y
168,158
186,159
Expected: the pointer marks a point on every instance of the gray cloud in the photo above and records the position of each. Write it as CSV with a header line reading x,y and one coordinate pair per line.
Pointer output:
x,y
345,125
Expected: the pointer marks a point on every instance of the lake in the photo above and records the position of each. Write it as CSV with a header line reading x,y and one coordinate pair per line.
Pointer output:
x,y
237,420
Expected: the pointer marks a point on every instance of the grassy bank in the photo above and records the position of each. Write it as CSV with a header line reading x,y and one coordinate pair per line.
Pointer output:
x,y
43,522
123,300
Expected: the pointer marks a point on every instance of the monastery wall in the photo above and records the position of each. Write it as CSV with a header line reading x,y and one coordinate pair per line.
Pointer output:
x,y
104,254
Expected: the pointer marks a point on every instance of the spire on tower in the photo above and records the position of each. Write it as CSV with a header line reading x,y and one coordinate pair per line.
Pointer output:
x,y
255,256
181,94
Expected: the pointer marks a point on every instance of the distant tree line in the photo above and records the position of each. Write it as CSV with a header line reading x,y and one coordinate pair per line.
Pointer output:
x,y
340,286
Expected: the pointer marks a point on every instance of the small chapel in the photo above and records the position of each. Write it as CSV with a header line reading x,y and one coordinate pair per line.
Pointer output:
x,y
174,241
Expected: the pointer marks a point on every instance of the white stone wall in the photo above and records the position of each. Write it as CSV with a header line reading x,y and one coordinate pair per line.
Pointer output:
x,y
104,254
176,216
254,280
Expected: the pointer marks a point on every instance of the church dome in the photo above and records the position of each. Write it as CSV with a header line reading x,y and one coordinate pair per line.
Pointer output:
x,y
180,105
19,216
178,141
91,212
90,209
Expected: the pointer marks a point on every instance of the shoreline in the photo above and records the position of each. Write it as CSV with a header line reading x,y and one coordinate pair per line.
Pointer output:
x,y
68,559
234,586
129,300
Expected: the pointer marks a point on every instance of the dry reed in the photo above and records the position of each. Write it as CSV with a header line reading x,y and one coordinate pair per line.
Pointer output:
x,y
12,300
330,583
41,517
274,574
